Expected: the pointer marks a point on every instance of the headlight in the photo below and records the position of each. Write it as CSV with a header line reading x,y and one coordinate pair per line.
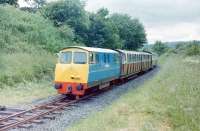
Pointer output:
x,y
69,88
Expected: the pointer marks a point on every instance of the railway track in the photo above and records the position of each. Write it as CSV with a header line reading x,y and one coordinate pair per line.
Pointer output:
x,y
17,118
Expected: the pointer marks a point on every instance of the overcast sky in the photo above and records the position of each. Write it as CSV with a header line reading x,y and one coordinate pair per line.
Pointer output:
x,y
168,20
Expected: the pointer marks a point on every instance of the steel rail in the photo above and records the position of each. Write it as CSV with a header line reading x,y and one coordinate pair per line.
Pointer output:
x,y
30,110
37,115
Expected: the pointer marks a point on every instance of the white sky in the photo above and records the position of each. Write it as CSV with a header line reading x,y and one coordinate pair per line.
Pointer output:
x,y
169,20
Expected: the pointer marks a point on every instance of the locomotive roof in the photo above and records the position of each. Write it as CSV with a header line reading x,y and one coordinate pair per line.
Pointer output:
x,y
93,49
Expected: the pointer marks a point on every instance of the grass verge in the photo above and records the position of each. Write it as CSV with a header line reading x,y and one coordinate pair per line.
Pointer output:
x,y
169,101
26,92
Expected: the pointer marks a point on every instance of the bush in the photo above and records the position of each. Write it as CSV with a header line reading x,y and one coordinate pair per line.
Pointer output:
x,y
22,67
193,49
18,27
160,48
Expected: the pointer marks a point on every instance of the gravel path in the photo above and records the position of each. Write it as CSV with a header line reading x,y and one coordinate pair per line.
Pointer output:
x,y
82,109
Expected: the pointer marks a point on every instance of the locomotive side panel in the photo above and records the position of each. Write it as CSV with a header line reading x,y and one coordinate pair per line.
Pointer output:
x,y
104,68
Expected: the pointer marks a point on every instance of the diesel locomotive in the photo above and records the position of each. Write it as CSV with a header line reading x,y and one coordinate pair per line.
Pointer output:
x,y
80,69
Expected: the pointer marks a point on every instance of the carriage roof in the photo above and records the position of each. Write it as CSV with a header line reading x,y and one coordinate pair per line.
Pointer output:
x,y
133,52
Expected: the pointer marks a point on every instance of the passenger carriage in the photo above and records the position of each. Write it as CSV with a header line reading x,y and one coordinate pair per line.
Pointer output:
x,y
146,61
133,62
130,63
82,68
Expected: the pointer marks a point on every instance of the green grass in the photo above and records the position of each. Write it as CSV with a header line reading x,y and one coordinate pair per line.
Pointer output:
x,y
21,67
26,92
169,101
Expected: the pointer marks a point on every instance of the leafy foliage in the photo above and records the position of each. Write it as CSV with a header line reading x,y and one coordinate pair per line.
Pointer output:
x,y
97,29
70,12
10,2
193,49
189,48
103,32
159,48
131,31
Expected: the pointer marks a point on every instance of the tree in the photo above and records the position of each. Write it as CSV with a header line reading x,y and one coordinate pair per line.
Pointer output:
x,y
103,32
10,2
131,31
159,48
70,12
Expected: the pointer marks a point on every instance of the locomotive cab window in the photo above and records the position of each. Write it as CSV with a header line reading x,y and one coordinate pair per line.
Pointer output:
x,y
80,58
65,57
92,58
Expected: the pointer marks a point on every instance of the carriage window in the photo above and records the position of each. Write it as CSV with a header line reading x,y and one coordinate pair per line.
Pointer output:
x,y
139,57
123,58
131,58
65,57
80,58
136,58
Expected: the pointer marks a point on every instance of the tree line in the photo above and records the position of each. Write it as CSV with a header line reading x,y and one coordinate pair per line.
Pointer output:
x,y
99,29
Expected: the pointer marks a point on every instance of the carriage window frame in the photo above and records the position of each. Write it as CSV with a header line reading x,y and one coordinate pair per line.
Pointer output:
x,y
135,57
129,58
132,58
